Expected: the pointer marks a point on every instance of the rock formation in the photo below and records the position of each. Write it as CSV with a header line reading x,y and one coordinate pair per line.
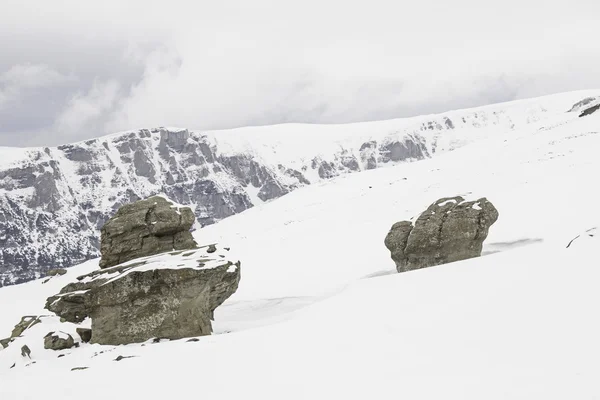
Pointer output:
x,y
144,228
168,295
58,341
590,110
25,323
451,229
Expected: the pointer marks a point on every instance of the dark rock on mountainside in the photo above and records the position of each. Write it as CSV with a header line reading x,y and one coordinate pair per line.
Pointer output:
x,y
451,229
590,110
144,228
56,272
583,104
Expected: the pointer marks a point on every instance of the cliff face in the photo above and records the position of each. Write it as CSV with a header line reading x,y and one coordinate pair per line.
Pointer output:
x,y
54,200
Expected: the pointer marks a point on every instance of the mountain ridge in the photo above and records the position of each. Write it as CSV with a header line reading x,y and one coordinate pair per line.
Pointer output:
x,y
53,200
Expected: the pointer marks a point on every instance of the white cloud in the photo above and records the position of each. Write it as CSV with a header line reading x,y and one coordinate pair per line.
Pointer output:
x,y
84,109
21,78
223,64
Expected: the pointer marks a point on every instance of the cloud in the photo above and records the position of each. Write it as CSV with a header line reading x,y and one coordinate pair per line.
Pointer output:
x,y
20,78
210,65
85,109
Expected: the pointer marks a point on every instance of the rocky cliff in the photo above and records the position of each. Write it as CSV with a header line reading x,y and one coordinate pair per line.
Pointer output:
x,y
54,200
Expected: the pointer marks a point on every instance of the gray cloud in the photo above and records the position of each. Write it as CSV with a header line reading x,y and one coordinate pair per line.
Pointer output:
x,y
69,71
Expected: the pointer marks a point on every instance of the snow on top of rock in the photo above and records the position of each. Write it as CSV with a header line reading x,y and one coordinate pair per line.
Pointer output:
x,y
446,202
61,335
204,257
174,204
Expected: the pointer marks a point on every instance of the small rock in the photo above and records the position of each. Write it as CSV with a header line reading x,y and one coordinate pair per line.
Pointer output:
x,y
58,341
56,271
60,355
85,334
119,358
79,368
211,249
25,351
12,366
193,340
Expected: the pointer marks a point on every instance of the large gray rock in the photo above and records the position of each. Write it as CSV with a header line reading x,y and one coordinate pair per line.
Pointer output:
x,y
144,228
451,229
170,295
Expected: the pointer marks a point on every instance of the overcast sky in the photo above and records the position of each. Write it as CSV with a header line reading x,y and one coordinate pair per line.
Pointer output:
x,y
75,69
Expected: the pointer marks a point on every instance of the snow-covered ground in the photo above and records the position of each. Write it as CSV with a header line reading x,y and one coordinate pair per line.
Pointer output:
x,y
321,314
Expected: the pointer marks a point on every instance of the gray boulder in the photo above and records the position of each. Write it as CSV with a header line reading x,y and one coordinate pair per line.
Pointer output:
x,y
85,334
58,341
145,228
451,229
171,295
165,303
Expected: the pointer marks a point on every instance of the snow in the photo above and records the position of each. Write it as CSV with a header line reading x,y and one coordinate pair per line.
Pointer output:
x,y
442,204
174,204
320,312
61,335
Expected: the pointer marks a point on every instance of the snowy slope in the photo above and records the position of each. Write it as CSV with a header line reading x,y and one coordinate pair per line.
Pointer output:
x,y
320,312
54,200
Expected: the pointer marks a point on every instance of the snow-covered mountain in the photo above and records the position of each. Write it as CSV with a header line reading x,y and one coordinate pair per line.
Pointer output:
x,y
53,200
320,312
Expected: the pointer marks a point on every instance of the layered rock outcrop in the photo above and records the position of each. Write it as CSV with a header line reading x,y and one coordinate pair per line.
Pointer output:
x,y
144,228
171,295
451,229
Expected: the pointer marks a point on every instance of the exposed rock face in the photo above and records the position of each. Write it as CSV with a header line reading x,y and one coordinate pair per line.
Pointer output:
x,y
451,229
25,323
590,110
170,295
144,228
58,341
55,199
56,272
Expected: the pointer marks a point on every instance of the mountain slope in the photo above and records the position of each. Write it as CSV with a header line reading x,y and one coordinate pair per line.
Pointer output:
x,y
321,313
54,200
